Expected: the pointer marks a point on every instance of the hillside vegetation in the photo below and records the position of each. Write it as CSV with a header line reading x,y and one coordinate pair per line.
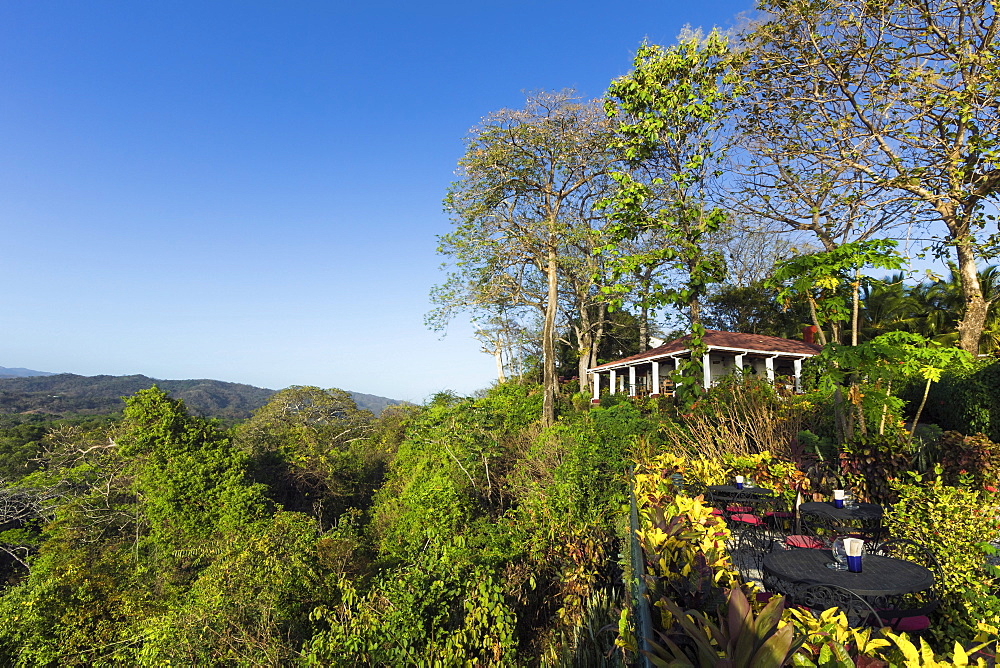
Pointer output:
x,y
316,532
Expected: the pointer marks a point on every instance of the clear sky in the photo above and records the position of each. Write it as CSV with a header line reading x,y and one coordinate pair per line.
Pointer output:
x,y
251,191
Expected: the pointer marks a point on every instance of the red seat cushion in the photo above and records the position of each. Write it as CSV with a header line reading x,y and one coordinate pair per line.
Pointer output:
x,y
915,624
739,509
746,518
807,542
779,513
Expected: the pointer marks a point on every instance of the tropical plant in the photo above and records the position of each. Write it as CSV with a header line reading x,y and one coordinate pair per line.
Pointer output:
x,y
736,637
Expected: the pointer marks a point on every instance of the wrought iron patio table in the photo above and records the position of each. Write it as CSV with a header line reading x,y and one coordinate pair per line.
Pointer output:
x,y
881,582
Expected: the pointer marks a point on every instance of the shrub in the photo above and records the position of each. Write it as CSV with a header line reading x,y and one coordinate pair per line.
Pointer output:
x,y
955,523
974,456
871,463
683,542
769,472
737,416
589,476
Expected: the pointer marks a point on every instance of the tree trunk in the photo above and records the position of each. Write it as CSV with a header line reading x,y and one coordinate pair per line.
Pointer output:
x,y
695,307
602,315
584,344
838,415
970,329
498,354
550,384
923,402
644,329
815,318
855,306
583,365
885,409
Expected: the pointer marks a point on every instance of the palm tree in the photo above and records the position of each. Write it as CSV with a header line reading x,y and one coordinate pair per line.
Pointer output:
x,y
886,306
930,308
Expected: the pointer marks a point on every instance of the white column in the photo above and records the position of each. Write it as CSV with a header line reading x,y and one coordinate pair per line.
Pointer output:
x,y
769,368
631,381
739,363
798,374
656,377
597,386
706,367
614,381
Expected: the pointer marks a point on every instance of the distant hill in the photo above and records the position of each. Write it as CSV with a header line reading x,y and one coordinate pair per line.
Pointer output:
x,y
20,373
68,394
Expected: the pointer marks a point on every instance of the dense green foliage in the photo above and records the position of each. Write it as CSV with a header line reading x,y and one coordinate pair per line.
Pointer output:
x,y
965,400
955,523
458,531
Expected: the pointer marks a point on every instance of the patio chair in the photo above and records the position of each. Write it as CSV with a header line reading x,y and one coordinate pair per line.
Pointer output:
x,y
747,550
910,613
780,518
823,529
745,509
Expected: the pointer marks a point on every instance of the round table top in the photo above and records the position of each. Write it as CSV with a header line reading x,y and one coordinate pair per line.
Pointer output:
x,y
863,511
746,491
880,576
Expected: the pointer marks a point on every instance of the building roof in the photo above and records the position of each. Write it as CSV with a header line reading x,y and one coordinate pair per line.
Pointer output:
x,y
716,340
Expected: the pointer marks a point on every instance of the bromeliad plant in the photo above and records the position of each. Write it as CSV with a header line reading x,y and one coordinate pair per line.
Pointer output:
x,y
735,637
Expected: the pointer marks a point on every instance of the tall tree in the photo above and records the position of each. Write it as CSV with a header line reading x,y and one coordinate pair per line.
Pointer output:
x,y
896,98
528,183
670,110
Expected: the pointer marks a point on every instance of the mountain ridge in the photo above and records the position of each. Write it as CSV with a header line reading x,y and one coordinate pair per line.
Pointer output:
x,y
66,394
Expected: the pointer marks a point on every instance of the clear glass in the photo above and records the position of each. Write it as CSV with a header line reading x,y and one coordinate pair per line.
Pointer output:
x,y
839,556
849,500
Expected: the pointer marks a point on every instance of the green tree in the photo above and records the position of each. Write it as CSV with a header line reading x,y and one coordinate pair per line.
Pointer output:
x,y
830,282
754,309
310,447
898,97
670,110
139,518
524,209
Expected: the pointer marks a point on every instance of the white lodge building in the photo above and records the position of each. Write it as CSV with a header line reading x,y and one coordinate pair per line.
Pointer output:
x,y
648,373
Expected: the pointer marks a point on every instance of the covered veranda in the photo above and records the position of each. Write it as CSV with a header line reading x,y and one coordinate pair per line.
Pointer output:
x,y
649,373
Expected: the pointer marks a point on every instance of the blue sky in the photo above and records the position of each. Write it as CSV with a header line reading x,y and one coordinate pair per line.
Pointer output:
x,y
251,191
